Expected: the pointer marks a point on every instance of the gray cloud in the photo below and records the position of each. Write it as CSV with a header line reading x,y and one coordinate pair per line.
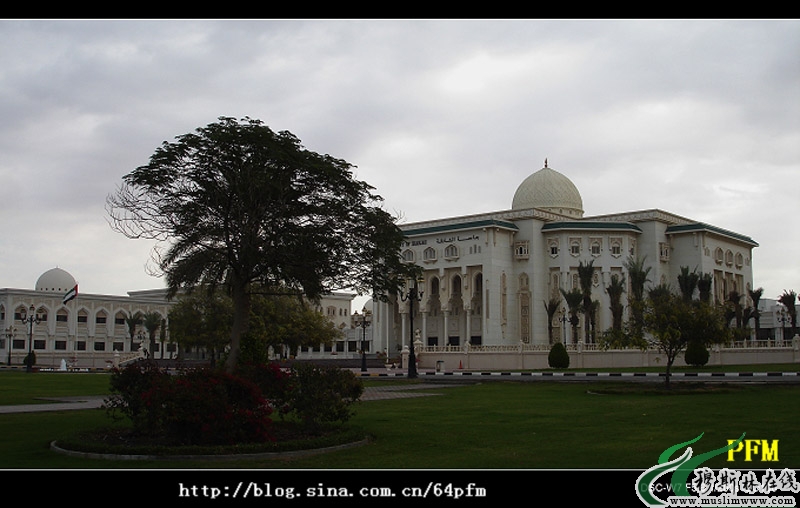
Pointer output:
x,y
444,117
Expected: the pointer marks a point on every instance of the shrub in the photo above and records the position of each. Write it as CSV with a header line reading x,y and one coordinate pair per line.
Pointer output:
x,y
193,407
321,394
274,382
558,357
134,390
696,354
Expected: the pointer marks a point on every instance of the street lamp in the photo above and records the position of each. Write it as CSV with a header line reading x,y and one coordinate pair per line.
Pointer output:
x,y
564,320
364,322
30,320
414,294
10,331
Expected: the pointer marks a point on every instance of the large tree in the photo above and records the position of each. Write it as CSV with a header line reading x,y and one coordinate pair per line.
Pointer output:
x,y
673,322
240,204
201,319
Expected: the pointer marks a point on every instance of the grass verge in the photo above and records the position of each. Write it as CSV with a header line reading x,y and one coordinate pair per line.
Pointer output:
x,y
490,425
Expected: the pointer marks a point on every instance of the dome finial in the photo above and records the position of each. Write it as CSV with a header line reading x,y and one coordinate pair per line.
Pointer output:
x,y
545,162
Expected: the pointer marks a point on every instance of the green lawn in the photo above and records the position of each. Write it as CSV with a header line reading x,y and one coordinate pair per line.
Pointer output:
x,y
490,425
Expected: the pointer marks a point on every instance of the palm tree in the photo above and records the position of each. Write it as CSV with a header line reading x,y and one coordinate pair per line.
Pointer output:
x,y
593,320
787,299
574,299
551,307
735,300
615,289
704,283
687,282
152,322
755,296
132,321
585,276
637,274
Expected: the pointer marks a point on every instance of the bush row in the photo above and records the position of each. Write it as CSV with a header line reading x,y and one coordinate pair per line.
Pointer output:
x,y
209,406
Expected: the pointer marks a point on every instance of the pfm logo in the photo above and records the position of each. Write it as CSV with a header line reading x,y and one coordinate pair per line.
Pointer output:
x,y
752,447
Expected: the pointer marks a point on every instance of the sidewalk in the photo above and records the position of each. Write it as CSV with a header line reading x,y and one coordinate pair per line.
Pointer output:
x,y
95,402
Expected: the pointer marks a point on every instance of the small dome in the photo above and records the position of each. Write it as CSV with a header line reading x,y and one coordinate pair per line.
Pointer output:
x,y
549,190
55,280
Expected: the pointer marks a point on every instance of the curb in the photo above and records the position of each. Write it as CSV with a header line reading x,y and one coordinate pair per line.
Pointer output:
x,y
590,374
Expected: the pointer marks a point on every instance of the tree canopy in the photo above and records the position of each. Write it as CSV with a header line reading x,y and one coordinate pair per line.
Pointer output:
x,y
239,204
674,322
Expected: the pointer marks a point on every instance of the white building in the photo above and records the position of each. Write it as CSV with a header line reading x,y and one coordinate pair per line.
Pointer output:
x,y
88,331
487,276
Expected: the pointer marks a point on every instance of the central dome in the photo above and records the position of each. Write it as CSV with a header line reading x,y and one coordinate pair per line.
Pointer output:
x,y
549,190
55,280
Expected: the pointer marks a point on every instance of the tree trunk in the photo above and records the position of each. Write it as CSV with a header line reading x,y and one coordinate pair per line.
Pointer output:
x,y
241,315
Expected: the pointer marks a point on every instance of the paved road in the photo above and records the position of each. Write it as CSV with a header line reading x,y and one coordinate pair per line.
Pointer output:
x,y
431,379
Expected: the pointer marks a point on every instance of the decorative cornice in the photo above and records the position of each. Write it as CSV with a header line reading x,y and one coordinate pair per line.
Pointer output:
x,y
707,228
479,224
591,225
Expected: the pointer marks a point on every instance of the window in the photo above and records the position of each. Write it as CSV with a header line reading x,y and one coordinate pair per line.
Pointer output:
x,y
429,254
522,250
450,252
575,247
616,248
408,255
595,248
553,246
663,249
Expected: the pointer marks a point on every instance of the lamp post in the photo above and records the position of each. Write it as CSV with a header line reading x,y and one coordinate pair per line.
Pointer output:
x,y
364,322
30,320
564,320
10,331
416,288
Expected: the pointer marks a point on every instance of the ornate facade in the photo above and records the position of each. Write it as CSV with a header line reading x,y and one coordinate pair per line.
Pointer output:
x,y
487,277
88,331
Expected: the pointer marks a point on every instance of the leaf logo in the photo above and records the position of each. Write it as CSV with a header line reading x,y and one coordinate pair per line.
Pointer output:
x,y
682,467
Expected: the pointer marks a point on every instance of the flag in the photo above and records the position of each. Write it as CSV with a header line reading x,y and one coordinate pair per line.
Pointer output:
x,y
72,293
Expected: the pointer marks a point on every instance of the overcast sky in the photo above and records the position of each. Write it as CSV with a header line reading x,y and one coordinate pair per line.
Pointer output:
x,y
444,118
